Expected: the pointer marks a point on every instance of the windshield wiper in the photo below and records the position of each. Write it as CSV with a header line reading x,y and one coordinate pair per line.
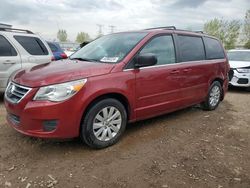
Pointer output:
x,y
84,59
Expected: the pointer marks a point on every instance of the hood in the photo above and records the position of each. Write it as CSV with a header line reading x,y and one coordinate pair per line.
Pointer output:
x,y
59,72
239,64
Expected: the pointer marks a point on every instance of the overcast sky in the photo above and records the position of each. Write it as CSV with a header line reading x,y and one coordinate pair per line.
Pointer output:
x,y
47,16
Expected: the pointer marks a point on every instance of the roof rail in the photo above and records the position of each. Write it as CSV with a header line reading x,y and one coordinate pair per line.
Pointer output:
x,y
13,29
166,27
198,31
173,28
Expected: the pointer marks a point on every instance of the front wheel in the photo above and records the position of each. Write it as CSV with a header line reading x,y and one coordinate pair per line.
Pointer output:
x,y
214,96
104,123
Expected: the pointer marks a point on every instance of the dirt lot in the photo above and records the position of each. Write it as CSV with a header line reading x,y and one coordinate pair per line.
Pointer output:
x,y
188,148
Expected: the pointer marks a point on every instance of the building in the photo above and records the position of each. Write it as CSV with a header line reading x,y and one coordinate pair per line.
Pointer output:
x,y
2,25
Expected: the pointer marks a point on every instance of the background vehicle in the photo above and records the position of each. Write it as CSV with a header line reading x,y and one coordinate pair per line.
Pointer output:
x,y
239,74
20,49
70,51
118,78
57,51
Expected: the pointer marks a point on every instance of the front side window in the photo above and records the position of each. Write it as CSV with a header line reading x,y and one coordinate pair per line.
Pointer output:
x,y
109,48
32,45
191,48
6,49
163,48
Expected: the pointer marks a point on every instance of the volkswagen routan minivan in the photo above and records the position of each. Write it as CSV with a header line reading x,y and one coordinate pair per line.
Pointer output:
x,y
117,79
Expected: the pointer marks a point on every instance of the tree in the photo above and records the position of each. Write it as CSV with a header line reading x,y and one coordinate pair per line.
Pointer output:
x,y
62,35
246,30
82,37
226,31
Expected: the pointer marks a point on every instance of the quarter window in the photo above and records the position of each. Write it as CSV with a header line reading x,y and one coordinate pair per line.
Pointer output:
x,y
214,49
32,45
191,48
6,49
163,48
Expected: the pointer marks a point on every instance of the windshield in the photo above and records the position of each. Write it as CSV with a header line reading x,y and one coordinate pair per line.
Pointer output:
x,y
239,55
110,48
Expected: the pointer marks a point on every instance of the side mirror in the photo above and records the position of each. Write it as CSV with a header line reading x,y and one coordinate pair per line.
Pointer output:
x,y
145,60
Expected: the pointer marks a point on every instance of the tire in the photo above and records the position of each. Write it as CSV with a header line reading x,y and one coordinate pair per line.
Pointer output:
x,y
214,97
248,89
99,129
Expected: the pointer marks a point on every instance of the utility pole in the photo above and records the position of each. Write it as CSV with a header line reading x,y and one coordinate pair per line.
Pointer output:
x,y
112,28
100,29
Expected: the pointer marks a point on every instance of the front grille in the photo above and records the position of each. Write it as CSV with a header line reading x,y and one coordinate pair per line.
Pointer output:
x,y
231,74
15,93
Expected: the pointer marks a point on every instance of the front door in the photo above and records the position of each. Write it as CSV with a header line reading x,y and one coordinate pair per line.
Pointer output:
x,y
157,87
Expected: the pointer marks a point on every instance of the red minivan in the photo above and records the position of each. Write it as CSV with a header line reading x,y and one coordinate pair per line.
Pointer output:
x,y
116,79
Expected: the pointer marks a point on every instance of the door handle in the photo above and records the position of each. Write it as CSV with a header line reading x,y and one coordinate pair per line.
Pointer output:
x,y
175,72
186,70
9,62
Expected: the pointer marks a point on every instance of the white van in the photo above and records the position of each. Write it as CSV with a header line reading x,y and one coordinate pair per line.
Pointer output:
x,y
20,49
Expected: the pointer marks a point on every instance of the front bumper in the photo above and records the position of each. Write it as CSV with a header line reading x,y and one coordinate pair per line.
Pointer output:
x,y
45,119
239,79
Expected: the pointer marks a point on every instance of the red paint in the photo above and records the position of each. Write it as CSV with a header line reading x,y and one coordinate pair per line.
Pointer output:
x,y
149,91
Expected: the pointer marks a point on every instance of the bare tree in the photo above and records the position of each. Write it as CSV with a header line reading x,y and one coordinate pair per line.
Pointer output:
x,y
246,30
82,37
226,31
62,35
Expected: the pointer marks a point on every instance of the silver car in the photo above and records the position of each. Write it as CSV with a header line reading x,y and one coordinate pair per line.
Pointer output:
x,y
239,74
20,49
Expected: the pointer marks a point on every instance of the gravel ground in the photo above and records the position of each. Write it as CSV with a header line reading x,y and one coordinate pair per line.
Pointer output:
x,y
188,148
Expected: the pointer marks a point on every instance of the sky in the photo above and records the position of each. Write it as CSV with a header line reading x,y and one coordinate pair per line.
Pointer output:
x,y
47,16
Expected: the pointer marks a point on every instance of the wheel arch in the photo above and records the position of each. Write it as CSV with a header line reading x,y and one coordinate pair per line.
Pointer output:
x,y
221,81
114,95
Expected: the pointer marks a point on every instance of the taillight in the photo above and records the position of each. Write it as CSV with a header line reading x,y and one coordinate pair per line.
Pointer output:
x,y
64,56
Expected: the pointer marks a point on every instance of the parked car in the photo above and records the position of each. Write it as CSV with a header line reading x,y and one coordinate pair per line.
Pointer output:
x,y
57,51
70,51
116,79
20,49
239,74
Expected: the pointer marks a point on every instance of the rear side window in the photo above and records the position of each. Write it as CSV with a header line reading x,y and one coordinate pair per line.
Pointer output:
x,y
214,49
32,45
191,48
6,49
163,48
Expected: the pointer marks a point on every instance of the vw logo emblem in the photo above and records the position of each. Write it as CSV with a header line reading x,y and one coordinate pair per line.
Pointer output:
x,y
12,88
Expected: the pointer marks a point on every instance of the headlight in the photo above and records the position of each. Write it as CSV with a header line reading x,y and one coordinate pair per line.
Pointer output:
x,y
59,92
243,70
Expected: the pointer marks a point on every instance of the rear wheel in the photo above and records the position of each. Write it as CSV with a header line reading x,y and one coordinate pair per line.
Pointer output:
x,y
104,123
213,97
